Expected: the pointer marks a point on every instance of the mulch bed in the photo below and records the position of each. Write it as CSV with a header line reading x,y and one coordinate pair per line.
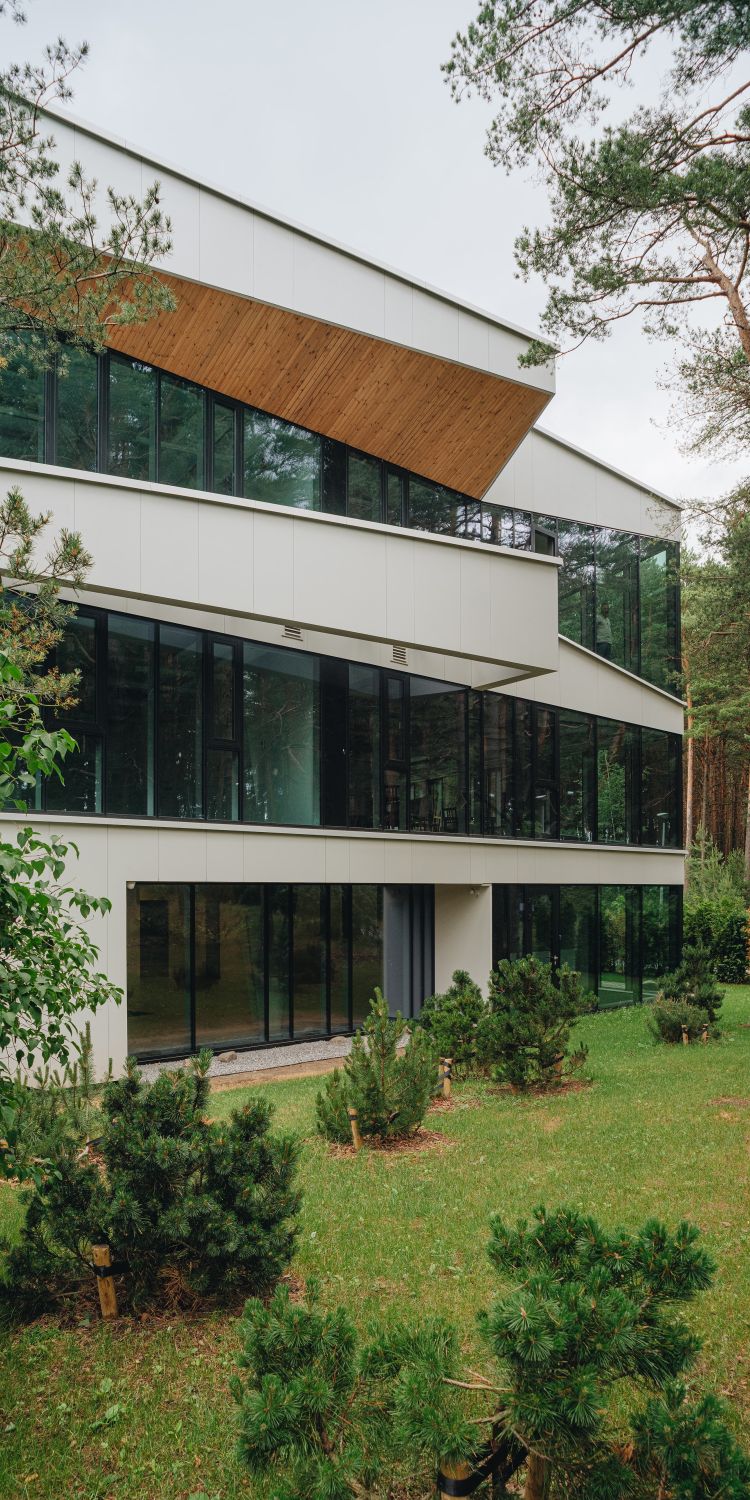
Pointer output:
x,y
406,1145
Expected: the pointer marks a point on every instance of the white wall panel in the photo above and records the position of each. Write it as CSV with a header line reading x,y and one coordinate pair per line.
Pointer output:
x,y
463,934
225,245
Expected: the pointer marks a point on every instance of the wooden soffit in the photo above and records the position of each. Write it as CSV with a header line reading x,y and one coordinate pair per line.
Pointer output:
x,y
453,424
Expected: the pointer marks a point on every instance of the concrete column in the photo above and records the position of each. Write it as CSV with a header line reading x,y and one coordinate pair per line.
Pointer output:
x,y
463,933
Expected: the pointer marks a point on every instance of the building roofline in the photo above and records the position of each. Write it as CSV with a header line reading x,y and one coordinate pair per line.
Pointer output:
x,y
160,164
601,463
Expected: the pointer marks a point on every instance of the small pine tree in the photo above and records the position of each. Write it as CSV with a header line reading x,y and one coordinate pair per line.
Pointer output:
x,y
452,1020
694,982
211,1206
532,1008
324,1415
390,1089
667,1018
585,1319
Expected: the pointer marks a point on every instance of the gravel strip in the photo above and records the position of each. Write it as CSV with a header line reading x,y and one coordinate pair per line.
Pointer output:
x,y
253,1060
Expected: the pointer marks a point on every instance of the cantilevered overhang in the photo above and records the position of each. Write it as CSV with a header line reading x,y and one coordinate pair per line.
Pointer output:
x,y
273,313
453,423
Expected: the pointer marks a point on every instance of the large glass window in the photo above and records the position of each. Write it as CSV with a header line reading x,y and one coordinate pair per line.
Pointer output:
x,y
339,955
497,524
367,947
159,970
282,462
619,945
394,758
181,433
223,449
309,966
180,712
661,934
21,401
130,716
616,627
229,965
437,739
546,820
281,708
132,418
365,488
578,932
659,585
575,544
499,801
577,776
660,788
364,747
279,955
77,408
524,769
80,790
616,782
434,508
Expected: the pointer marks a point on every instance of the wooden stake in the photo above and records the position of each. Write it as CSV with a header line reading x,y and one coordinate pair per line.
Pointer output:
x,y
685,1037
447,1072
704,1034
454,1471
356,1136
102,1256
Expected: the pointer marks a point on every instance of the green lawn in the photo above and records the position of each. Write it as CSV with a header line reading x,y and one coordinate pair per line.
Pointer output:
x,y
140,1409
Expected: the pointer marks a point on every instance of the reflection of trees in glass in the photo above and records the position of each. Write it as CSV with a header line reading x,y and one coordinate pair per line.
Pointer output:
x,y
132,418
180,722
576,582
77,409
365,487
282,462
437,743
432,507
367,946
576,775
611,811
21,401
181,433
617,596
659,576
281,707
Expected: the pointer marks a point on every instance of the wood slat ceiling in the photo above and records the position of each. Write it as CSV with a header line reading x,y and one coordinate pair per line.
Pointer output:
x,y
457,426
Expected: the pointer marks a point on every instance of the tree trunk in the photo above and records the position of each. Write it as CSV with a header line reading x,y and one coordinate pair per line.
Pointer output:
x,y
690,777
538,1476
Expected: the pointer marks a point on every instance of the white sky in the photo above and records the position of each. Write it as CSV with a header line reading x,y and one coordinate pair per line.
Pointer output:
x,y
335,114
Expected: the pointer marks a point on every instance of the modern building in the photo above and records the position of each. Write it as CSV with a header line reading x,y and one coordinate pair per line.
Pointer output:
x,y
378,677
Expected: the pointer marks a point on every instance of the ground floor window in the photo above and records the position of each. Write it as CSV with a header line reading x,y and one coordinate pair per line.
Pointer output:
x,y
621,938
220,965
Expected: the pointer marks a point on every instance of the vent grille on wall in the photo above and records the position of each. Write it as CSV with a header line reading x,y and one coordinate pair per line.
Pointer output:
x,y
399,655
292,633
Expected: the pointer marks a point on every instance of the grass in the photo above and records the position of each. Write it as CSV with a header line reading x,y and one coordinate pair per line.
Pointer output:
x,y
141,1409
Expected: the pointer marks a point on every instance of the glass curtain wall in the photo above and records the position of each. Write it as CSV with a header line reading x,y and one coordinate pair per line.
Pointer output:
x,y
621,938
181,723
221,965
618,592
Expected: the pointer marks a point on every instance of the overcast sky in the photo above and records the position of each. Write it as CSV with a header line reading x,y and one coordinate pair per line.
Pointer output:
x,y
335,114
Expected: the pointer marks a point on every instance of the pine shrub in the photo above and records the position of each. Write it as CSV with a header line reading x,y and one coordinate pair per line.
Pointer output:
x,y
525,1034
321,1411
56,1111
452,1021
694,982
390,1089
667,1018
208,1209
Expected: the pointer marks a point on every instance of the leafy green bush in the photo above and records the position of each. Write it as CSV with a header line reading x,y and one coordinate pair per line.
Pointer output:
x,y
721,925
451,1021
208,1208
524,1035
694,982
389,1089
667,1018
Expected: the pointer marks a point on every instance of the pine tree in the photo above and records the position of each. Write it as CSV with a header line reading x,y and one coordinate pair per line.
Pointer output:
x,y
211,1205
525,1033
694,982
451,1020
389,1088
325,1415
